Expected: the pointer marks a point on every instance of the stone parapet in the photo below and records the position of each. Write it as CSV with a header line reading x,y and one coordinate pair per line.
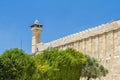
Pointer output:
x,y
114,25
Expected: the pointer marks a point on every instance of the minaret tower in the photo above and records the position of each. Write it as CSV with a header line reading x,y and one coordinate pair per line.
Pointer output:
x,y
36,29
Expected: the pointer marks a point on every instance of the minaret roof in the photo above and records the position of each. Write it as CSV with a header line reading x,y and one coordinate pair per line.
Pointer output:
x,y
36,23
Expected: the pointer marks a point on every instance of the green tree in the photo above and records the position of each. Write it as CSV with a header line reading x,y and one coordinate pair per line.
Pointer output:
x,y
93,69
16,65
60,64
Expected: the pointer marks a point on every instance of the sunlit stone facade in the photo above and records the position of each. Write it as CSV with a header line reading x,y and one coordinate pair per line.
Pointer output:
x,y
101,42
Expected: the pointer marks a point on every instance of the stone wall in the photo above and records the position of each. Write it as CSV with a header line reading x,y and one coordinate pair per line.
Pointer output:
x,y
102,42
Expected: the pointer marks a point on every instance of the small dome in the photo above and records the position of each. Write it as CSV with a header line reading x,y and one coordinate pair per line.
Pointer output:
x,y
36,22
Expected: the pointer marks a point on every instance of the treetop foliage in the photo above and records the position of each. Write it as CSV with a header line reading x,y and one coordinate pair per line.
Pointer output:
x,y
16,65
93,69
52,64
61,64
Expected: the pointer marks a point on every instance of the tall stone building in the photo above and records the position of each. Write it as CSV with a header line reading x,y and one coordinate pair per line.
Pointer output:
x,y
101,42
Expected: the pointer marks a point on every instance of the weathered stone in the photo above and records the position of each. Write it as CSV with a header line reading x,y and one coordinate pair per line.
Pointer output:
x,y
102,42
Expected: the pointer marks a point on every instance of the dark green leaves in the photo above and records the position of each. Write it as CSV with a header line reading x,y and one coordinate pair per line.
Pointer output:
x,y
15,65
51,64
61,64
93,69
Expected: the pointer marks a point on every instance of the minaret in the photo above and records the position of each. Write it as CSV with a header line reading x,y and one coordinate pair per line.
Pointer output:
x,y
36,29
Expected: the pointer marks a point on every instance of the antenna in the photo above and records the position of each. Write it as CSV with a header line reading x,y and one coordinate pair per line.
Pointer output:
x,y
21,44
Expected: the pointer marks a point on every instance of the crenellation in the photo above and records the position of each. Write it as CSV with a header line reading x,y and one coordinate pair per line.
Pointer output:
x,y
101,42
85,34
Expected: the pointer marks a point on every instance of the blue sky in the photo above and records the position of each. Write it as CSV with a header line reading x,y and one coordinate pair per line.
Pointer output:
x,y
59,17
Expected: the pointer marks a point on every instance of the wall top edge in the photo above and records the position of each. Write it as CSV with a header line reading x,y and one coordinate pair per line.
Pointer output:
x,y
96,30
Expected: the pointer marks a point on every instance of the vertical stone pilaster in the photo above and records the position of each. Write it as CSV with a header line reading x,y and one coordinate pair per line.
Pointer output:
x,y
117,42
88,46
76,45
84,46
101,47
116,59
94,46
110,52
80,46
109,44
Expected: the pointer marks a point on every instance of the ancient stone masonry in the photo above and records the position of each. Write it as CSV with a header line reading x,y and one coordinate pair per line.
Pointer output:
x,y
102,42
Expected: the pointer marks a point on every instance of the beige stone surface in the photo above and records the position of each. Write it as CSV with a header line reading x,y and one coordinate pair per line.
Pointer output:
x,y
101,42
35,38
